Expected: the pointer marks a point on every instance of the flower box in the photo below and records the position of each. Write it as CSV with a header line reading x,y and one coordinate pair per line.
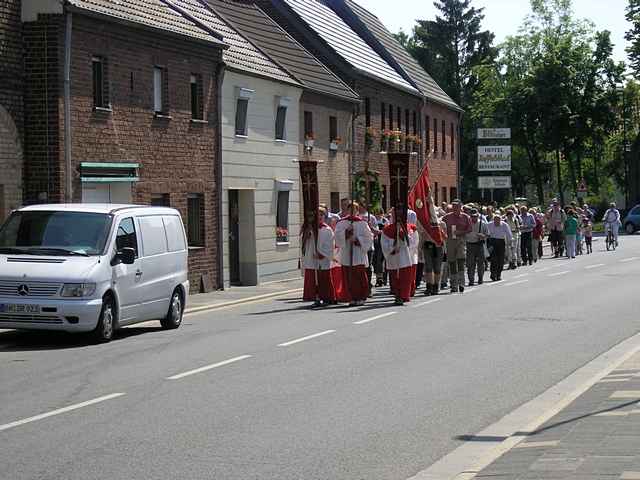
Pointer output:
x,y
282,235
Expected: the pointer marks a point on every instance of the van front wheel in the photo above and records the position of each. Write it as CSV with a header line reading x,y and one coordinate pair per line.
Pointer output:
x,y
106,322
174,315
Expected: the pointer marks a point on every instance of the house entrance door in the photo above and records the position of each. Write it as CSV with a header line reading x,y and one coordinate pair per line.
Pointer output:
x,y
234,238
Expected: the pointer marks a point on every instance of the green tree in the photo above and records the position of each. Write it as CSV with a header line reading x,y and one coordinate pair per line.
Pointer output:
x,y
450,46
633,36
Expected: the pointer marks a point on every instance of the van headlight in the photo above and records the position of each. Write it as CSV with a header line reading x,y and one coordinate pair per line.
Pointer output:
x,y
78,290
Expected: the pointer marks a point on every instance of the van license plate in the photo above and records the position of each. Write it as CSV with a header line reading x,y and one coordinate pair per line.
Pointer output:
x,y
18,308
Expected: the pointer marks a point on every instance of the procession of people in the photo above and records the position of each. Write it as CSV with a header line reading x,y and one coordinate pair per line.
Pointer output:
x,y
415,241
357,251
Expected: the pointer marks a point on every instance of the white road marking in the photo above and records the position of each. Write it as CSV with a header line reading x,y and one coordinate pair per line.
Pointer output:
x,y
557,274
433,300
208,367
308,337
521,275
550,443
367,320
620,394
511,284
497,282
70,408
630,259
597,265
540,270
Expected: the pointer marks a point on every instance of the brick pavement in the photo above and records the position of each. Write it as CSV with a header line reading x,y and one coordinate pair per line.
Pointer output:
x,y
595,437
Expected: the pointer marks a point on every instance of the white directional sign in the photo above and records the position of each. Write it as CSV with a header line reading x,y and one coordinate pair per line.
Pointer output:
x,y
491,133
496,158
494,182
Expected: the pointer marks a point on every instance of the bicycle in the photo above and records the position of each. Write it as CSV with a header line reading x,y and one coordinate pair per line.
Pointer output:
x,y
610,240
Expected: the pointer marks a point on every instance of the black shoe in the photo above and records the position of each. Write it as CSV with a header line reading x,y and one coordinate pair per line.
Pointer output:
x,y
428,290
461,289
480,282
398,301
499,279
316,304
471,283
454,289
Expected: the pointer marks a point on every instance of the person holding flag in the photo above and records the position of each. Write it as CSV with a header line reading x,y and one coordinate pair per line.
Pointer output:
x,y
354,239
317,254
399,243
432,232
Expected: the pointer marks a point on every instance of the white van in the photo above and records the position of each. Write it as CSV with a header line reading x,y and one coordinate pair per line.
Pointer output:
x,y
92,268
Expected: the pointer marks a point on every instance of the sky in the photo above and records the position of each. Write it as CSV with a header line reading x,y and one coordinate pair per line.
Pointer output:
x,y
504,17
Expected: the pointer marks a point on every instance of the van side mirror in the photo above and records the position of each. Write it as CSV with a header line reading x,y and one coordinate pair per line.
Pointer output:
x,y
126,256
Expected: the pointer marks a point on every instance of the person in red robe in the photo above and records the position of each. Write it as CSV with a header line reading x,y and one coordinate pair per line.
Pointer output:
x,y
354,239
317,256
399,244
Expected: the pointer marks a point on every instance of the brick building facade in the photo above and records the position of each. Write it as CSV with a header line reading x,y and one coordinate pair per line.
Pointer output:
x,y
11,107
395,93
144,120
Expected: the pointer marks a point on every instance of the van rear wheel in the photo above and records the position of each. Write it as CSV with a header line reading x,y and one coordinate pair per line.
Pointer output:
x,y
175,312
103,332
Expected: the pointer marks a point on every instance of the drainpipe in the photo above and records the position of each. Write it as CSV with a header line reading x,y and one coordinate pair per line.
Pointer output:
x,y
67,111
220,70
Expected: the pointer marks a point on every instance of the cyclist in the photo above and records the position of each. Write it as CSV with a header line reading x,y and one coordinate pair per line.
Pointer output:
x,y
612,221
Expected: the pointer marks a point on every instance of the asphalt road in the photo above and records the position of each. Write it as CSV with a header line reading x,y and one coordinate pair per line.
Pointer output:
x,y
378,392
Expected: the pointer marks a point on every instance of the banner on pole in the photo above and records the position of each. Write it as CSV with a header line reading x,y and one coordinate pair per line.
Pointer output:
x,y
310,194
399,187
494,158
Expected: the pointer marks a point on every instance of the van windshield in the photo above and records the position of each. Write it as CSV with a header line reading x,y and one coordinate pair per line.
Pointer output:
x,y
55,233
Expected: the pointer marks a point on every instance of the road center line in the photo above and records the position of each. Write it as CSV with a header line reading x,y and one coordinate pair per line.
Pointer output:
x,y
367,320
70,408
597,265
208,367
510,284
421,304
630,259
308,337
557,274
521,275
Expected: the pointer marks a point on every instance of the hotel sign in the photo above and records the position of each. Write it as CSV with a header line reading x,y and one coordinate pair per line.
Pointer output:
x,y
495,158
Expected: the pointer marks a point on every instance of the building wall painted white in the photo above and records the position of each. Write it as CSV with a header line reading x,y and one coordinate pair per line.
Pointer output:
x,y
254,164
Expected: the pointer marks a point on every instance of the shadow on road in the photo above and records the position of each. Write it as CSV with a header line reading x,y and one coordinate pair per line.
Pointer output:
x,y
25,341
490,438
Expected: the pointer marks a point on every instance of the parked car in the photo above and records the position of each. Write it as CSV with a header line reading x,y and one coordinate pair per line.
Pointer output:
x,y
92,268
631,222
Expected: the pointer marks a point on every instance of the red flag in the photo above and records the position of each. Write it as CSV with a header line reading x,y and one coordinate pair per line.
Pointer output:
x,y
419,201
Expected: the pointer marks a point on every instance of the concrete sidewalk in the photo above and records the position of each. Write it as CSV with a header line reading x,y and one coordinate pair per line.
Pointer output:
x,y
595,437
239,295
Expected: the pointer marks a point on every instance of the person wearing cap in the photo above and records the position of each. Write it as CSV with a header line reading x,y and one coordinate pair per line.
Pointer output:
x,y
612,221
458,225
499,236
475,247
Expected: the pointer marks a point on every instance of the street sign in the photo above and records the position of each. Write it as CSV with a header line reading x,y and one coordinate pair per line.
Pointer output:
x,y
494,182
491,133
495,158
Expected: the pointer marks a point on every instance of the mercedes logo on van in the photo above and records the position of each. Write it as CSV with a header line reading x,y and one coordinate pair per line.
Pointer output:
x,y
23,290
